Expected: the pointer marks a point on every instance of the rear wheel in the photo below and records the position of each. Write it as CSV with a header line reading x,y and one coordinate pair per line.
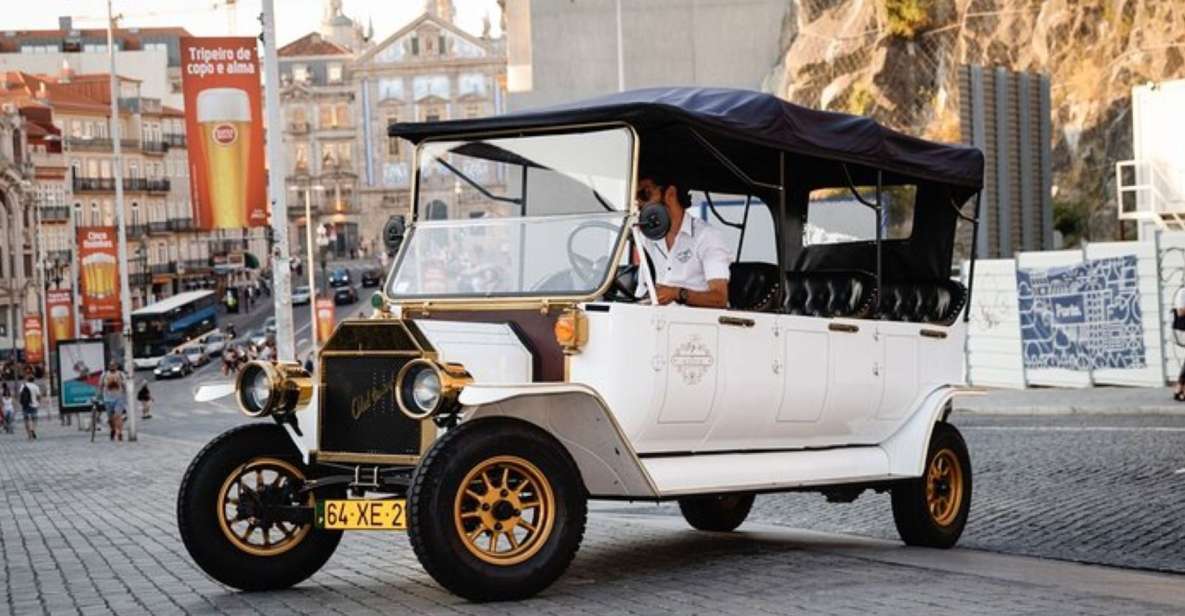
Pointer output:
x,y
931,510
722,513
226,511
496,510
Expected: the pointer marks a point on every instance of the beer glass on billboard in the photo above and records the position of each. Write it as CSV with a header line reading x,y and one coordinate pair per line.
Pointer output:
x,y
224,115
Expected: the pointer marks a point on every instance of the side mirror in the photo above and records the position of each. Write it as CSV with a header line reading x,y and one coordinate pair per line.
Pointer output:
x,y
654,221
393,233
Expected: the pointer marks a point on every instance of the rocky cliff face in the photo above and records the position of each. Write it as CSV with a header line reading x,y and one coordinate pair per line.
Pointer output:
x,y
897,60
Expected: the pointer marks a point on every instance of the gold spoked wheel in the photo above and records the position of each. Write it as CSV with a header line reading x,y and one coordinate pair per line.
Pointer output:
x,y
944,487
258,483
504,510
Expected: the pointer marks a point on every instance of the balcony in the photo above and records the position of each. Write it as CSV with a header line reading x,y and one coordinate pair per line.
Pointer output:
x,y
82,184
180,224
175,140
135,184
55,213
298,128
155,147
158,185
139,279
190,265
98,143
158,226
136,231
164,268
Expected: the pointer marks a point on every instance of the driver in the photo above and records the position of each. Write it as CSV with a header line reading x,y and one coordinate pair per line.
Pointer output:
x,y
691,262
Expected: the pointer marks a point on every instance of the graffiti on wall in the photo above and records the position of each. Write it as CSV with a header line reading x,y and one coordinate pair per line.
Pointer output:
x,y
1082,317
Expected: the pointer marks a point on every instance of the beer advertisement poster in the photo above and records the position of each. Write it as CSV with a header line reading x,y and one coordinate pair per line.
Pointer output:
x,y
98,271
80,364
324,318
224,130
34,354
60,306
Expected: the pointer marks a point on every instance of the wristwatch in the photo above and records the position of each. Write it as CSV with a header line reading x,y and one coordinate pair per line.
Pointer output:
x,y
682,296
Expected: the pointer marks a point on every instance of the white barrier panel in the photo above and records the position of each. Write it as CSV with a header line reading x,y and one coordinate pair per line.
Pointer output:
x,y
1131,326
1046,350
1172,278
993,335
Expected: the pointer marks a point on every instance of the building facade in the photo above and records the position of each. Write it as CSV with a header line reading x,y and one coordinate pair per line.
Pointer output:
x,y
340,92
16,239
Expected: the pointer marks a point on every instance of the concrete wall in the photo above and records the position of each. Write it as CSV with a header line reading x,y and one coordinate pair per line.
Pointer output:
x,y
573,45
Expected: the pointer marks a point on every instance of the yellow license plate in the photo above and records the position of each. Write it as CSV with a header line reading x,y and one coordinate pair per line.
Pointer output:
x,y
361,514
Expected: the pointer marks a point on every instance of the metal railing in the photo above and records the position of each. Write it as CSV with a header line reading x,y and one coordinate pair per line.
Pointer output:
x,y
1144,192
158,226
163,268
298,128
159,185
180,224
155,147
55,213
175,140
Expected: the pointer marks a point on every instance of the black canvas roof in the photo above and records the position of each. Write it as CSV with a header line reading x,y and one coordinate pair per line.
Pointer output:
x,y
737,120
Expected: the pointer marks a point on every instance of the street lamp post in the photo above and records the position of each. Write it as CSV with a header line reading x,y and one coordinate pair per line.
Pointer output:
x,y
308,234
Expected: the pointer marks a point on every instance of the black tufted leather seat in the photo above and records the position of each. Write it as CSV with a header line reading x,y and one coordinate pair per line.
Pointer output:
x,y
833,293
753,286
922,302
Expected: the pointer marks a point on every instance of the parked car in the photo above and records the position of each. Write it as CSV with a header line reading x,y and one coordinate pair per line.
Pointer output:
x,y
215,342
345,295
508,387
196,353
300,296
339,277
372,277
173,366
256,337
269,325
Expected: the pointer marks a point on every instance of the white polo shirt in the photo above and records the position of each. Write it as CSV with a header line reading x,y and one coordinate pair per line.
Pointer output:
x,y
698,255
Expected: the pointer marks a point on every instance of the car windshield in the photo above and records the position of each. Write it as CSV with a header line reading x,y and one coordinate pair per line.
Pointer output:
x,y
170,360
537,215
300,291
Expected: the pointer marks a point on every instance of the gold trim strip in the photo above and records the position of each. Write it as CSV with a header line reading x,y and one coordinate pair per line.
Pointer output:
x,y
366,458
932,333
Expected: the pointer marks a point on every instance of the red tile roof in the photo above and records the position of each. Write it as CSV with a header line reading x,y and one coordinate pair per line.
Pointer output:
x,y
312,44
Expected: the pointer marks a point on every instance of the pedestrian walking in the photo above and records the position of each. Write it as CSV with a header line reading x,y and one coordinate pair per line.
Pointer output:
x,y
113,398
145,398
1178,315
30,401
6,407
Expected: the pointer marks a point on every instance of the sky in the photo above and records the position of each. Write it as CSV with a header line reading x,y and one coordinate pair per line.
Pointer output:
x,y
294,18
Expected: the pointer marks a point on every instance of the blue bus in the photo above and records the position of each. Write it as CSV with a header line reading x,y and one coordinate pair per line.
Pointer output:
x,y
159,328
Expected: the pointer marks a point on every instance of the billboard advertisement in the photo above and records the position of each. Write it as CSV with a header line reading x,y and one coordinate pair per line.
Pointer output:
x,y
80,365
324,318
34,353
60,305
98,269
224,129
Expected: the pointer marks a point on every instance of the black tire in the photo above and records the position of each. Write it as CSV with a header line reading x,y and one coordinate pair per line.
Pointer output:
x,y
435,507
922,521
202,531
721,513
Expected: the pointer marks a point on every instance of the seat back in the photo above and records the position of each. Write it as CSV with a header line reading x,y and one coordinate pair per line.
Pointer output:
x,y
833,293
753,286
922,302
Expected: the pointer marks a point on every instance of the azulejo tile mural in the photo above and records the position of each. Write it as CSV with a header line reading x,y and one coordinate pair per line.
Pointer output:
x,y
1082,317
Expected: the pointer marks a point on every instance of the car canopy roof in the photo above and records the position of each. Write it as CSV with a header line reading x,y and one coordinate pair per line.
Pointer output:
x,y
737,120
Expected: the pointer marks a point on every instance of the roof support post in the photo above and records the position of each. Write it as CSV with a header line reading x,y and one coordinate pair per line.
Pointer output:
x,y
880,233
780,230
971,268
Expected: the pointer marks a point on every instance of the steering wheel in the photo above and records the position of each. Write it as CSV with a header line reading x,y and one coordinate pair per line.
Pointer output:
x,y
590,270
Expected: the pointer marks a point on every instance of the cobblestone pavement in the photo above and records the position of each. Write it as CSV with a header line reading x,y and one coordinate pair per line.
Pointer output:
x,y
1096,489
90,529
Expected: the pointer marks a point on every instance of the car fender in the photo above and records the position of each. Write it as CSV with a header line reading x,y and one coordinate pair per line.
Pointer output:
x,y
578,417
907,446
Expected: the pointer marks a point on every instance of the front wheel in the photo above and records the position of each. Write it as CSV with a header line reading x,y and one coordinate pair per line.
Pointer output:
x,y
721,514
931,511
496,510
230,511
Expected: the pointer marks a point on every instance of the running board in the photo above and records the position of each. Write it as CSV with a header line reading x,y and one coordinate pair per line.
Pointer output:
x,y
769,471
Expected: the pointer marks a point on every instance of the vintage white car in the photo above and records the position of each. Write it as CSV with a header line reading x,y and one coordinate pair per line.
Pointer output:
x,y
522,364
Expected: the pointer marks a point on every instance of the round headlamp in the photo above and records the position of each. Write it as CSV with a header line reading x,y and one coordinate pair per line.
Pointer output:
x,y
266,388
424,388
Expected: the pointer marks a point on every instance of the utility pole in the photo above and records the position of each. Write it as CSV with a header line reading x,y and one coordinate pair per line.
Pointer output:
x,y
125,291
276,164
620,53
